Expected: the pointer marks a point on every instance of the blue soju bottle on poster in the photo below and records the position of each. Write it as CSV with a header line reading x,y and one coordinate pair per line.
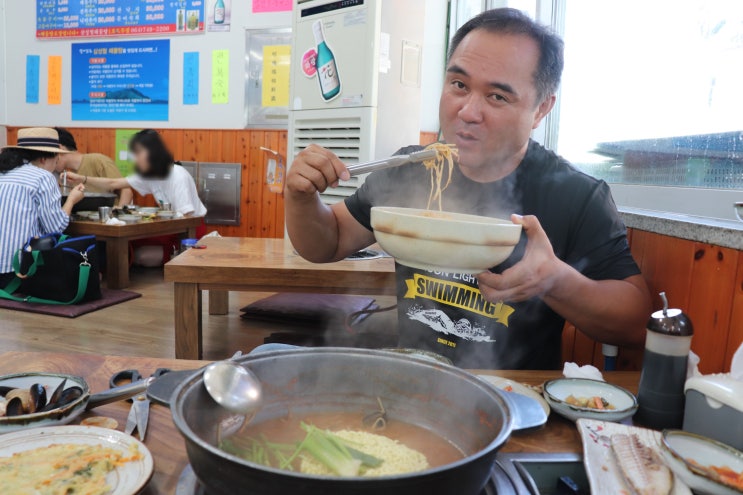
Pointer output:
x,y
327,70
219,12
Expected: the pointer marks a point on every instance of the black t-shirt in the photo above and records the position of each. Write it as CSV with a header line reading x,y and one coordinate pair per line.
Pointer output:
x,y
445,312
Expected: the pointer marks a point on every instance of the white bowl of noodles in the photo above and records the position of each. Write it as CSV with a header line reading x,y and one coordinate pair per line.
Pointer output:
x,y
443,241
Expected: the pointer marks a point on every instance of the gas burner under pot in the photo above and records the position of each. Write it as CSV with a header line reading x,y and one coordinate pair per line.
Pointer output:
x,y
499,483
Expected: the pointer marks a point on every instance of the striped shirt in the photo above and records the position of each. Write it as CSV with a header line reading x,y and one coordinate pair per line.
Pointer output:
x,y
30,206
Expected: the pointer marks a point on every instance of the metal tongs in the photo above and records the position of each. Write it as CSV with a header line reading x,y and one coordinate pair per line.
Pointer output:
x,y
393,161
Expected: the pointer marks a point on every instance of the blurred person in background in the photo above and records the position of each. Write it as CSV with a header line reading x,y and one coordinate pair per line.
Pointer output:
x,y
30,199
91,165
157,173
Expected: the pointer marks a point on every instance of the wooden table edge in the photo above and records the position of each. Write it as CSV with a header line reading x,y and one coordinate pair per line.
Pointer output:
x,y
168,447
170,226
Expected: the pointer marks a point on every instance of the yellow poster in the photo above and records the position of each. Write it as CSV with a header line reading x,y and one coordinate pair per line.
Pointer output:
x,y
220,76
276,60
54,80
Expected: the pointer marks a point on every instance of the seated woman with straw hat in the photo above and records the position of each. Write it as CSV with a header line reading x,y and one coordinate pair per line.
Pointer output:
x,y
30,200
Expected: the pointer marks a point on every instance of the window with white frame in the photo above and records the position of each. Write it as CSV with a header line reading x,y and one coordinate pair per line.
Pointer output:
x,y
652,91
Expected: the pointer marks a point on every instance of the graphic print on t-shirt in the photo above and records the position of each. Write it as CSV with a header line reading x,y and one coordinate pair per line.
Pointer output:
x,y
439,321
459,312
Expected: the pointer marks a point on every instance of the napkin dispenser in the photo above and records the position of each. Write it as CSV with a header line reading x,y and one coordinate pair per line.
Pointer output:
x,y
714,408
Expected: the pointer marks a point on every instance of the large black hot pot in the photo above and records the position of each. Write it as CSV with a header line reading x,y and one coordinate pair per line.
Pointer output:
x,y
443,399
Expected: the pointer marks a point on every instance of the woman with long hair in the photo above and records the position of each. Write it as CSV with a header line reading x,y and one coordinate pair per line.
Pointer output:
x,y
30,200
157,173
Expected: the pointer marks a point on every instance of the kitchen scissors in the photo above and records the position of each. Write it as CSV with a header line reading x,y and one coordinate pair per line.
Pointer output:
x,y
139,413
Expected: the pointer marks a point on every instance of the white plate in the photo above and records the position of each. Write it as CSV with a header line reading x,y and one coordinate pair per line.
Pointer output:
x,y
603,473
130,218
557,391
517,388
680,446
125,480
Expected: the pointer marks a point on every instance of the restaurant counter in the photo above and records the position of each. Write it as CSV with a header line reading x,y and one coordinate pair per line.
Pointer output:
x,y
714,231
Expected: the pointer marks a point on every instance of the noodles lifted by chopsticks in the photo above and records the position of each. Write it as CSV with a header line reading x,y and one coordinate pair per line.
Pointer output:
x,y
442,165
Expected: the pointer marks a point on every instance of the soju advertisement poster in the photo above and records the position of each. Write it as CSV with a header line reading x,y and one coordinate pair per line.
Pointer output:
x,y
109,18
124,80
218,15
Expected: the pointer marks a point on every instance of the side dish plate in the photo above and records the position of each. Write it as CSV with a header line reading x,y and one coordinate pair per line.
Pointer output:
x,y
603,473
125,480
516,388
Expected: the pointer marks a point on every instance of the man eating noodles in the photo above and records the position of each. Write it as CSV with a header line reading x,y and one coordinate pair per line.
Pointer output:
x,y
573,261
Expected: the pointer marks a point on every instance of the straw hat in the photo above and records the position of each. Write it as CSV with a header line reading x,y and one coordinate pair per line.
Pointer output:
x,y
39,139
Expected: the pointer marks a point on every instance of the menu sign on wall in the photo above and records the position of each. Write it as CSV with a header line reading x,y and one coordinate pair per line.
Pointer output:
x,y
102,18
120,80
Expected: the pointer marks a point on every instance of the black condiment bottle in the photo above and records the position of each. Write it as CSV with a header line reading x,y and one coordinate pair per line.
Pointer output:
x,y
664,368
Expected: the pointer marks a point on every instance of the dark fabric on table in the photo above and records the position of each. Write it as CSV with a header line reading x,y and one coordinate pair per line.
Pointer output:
x,y
445,312
108,298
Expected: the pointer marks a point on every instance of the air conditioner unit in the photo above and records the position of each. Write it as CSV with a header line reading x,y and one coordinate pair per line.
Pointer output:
x,y
356,72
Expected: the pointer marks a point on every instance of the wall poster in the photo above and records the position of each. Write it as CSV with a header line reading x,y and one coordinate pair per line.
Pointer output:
x,y
104,18
220,77
54,80
218,15
266,6
276,75
33,62
267,75
120,80
122,158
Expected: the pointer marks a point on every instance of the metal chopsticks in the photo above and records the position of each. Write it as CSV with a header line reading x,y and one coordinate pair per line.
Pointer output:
x,y
393,161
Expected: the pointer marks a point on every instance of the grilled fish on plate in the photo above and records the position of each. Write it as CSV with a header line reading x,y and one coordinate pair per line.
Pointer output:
x,y
641,466
604,442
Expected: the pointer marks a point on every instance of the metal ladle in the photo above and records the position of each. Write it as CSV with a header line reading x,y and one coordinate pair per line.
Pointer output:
x,y
234,387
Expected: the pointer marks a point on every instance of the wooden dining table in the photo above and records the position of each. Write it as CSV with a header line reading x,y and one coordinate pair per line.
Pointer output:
x,y
167,446
118,237
258,265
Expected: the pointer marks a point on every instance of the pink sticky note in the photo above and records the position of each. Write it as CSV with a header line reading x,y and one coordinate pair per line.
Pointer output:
x,y
263,6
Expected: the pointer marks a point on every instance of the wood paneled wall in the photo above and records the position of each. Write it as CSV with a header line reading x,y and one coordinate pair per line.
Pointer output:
x,y
262,212
705,281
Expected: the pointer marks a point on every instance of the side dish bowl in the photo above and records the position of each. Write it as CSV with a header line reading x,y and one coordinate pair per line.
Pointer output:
x,y
443,241
556,392
58,416
690,456
130,218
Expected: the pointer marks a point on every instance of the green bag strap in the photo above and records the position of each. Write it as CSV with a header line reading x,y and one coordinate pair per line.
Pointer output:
x,y
62,238
11,288
82,286
38,261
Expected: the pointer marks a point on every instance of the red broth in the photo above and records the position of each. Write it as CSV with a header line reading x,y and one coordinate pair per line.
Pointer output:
x,y
437,450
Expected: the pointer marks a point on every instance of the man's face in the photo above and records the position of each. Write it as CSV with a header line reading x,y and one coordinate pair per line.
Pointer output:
x,y
59,163
489,103
63,159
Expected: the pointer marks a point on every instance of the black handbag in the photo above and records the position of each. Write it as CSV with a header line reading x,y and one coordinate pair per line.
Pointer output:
x,y
55,269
